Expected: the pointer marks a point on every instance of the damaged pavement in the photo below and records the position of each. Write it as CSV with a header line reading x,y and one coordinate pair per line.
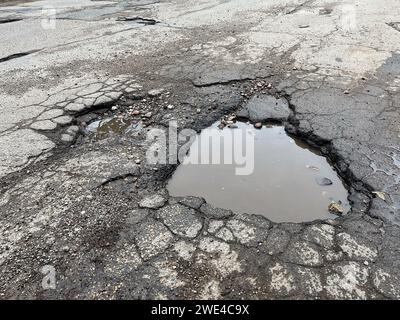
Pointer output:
x,y
88,206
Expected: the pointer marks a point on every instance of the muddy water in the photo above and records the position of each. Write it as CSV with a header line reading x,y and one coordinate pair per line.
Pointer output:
x,y
291,182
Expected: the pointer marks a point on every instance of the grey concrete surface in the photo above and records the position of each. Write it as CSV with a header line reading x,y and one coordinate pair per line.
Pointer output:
x,y
76,203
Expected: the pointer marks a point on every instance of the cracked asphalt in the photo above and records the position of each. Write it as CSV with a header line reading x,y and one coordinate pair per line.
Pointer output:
x,y
92,207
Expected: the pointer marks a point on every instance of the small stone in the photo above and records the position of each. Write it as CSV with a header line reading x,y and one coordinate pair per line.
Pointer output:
x,y
72,130
322,181
155,92
380,195
135,112
152,202
114,108
137,161
66,138
335,208
148,114
258,125
170,107
198,110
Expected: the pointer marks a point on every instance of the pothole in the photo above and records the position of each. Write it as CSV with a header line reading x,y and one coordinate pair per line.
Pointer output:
x,y
114,125
290,182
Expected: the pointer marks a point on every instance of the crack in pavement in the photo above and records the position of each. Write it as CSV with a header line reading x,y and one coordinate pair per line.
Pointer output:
x,y
9,20
18,55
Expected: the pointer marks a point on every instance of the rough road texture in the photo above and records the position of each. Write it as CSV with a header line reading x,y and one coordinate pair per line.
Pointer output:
x,y
96,212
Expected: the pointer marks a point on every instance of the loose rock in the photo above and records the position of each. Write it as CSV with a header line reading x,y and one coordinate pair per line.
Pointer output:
x,y
336,208
322,181
155,92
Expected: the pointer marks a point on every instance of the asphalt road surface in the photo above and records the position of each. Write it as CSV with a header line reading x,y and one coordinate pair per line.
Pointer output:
x,y
86,217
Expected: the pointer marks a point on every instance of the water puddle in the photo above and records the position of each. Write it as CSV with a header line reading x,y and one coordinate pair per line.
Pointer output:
x,y
113,126
291,182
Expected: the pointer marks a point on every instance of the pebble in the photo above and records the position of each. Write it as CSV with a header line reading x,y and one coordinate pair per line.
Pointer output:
x,y
155,92
335,208
72,130
130,90
258,125
67,138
